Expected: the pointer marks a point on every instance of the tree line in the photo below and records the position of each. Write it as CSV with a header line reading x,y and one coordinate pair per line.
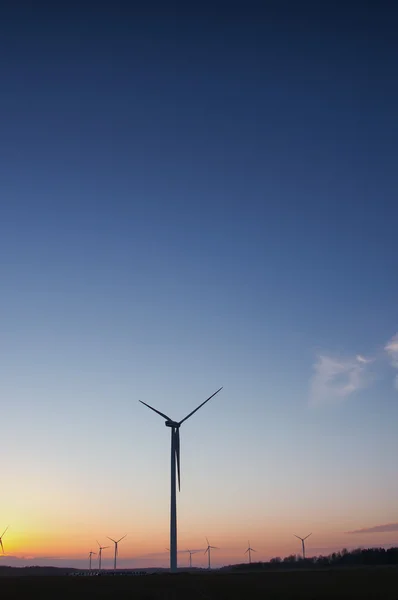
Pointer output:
x,y
344,558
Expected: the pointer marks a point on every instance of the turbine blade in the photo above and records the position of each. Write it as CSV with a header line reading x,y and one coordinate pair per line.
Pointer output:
x,y
207,549
1,543
253,550
215,547
298,537
98,544
308,536
156,411
177,455
112,540
4,531
200,405
208,543
122,538
246,551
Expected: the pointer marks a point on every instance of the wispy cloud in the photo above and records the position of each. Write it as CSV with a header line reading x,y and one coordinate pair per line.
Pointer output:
x,y
363,359
336,378
392,351
376,529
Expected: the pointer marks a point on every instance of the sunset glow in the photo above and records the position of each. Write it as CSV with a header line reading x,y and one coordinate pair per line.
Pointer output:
x,y
190,202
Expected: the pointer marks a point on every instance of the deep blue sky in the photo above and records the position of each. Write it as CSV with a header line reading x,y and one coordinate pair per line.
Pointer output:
x,y
195,195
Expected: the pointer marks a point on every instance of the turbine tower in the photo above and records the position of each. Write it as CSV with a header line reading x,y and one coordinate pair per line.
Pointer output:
x,y
250,550
101,548
1,538
90,554
175,470
302,542
116,542
208,552
190,556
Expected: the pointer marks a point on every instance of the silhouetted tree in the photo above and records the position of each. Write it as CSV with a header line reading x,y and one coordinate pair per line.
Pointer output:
x,y
345,558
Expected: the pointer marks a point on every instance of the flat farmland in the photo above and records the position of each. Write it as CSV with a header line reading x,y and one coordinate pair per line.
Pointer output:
x,y
376,583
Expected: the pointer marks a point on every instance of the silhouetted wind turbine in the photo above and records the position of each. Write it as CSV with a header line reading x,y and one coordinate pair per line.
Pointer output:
x,y
1,538
302,541
175,467
116,542
101,548
190,556
250,550
90,554
208,551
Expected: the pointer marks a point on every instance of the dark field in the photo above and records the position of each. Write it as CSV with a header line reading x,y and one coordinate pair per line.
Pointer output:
x,y
376,583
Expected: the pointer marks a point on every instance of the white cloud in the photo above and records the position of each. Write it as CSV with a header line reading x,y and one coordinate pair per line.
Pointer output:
x,y
392,350
363,359
336,378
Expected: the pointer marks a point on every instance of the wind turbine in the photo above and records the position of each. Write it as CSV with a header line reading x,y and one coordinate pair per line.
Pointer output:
x,y
101,548
1,538
302,541
90,554
250,550
175,469
116,550
190,556
208,551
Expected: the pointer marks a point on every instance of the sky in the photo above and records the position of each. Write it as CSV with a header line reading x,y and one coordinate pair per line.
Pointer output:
x,y
195,196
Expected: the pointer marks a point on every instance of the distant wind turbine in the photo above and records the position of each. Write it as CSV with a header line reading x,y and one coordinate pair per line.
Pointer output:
x,y
116,542
208,551
1,538
190,556
101,548
90,554
175,470
302,541
250,550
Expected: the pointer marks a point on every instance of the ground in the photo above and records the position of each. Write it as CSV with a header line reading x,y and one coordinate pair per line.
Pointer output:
x,y
377,583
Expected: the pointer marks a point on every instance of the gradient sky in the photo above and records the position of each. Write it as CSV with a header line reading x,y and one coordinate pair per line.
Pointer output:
x,y
195,195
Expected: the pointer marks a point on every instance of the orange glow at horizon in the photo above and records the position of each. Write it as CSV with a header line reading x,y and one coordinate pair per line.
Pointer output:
x,y
270,541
